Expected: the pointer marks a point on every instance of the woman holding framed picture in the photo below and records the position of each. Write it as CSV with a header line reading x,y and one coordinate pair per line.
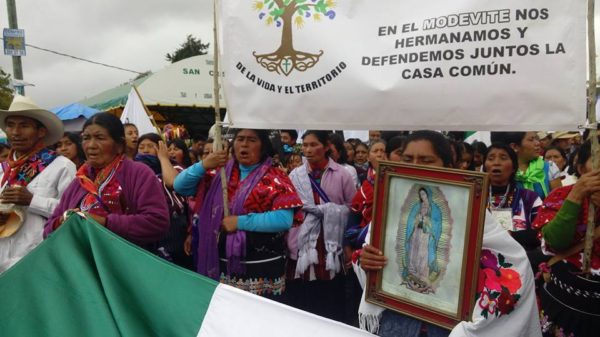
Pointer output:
x,y
515,314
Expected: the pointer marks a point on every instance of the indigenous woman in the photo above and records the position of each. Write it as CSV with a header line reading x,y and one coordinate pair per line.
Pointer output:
x,y
292,161
153,152
362,202
558,156
569,300
467,155
70,147
326,190
479,151
179,154
516,316
350,151
534,173
131,140
247,248
339,154
114,191
361,214
513,207
361,161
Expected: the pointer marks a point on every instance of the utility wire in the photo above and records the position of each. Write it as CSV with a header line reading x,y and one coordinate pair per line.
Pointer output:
x,y
81,59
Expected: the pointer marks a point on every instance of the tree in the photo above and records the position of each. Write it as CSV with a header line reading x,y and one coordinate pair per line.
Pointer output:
x,y
191,47
284,14
6,92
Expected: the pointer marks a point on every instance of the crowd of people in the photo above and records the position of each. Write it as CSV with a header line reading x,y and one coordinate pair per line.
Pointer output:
x,y
294,222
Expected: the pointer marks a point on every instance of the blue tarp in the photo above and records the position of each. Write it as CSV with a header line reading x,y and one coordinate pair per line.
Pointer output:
x,y
73,111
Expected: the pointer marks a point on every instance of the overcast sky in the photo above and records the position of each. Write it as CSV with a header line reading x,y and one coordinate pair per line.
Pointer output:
x,y
132,34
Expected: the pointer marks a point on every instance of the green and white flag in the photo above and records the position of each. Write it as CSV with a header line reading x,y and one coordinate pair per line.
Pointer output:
x,y
86,281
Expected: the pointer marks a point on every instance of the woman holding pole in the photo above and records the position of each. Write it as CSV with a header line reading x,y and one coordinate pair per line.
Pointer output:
x,y
247,248
570,301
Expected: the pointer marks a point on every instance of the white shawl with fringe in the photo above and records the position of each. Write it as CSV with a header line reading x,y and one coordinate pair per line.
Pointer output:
x,y
523,321
329,217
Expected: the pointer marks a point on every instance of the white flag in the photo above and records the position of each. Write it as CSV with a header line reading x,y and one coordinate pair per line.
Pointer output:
x,y
135,113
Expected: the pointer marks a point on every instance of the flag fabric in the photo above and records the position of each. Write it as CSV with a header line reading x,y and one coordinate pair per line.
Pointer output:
x,y
135,112
86,281
480,136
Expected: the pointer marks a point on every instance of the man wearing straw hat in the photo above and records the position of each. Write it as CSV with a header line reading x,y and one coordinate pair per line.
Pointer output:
x,y
32,179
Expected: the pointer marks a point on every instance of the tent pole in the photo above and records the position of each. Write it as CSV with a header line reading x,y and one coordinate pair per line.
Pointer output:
x,y
589,235
148,113
218,144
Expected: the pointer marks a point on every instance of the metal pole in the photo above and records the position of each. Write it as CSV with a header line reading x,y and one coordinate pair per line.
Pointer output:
x,y
16,60
589,235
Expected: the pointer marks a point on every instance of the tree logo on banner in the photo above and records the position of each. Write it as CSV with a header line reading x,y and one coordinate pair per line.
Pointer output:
x,y
284,14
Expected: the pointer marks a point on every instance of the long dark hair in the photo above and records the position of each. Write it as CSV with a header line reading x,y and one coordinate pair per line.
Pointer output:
x,y
394,143
508,137
440,145
180,144
266,147
338,143
75,138
111,123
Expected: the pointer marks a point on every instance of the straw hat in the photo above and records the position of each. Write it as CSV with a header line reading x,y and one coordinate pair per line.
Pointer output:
x,y
542,134
22,106
564,134
15,219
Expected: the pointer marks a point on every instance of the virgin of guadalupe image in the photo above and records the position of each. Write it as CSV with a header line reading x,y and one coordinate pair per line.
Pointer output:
x,y
423,238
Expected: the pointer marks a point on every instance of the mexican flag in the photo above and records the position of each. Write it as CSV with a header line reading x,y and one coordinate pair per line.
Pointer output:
x,y
86,281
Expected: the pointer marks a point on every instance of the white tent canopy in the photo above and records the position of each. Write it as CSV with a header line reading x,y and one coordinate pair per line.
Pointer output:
x,y
188,82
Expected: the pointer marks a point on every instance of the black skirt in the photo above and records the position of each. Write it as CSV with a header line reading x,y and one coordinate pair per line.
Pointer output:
x,y
264,265
570,303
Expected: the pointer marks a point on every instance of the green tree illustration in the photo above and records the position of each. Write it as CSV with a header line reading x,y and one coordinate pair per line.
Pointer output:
x,y
285,14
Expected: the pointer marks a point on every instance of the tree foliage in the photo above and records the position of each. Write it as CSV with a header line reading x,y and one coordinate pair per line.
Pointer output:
x,y
272,10
284,14
191,47
6,92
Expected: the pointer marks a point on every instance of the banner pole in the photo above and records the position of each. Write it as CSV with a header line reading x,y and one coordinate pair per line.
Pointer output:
x,y
218,145
592,82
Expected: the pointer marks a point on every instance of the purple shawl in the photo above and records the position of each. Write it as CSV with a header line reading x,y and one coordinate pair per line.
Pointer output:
x,y
211,216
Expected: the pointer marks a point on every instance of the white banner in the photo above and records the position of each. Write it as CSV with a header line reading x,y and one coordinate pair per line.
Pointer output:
x,y
400,65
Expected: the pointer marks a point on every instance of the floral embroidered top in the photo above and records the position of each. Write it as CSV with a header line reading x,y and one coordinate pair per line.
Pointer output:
x,y
562,224
498,285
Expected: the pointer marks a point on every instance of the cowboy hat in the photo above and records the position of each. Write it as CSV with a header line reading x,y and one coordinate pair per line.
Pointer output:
x,y
22,106
564,134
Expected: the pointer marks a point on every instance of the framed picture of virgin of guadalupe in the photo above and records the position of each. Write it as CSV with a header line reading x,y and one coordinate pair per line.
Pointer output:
x,y
428,222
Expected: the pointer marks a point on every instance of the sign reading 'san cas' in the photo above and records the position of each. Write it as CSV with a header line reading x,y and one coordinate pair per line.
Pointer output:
x,y
399,64
14,42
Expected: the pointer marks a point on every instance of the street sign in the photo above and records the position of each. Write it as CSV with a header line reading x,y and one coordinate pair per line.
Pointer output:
x,y
14,42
